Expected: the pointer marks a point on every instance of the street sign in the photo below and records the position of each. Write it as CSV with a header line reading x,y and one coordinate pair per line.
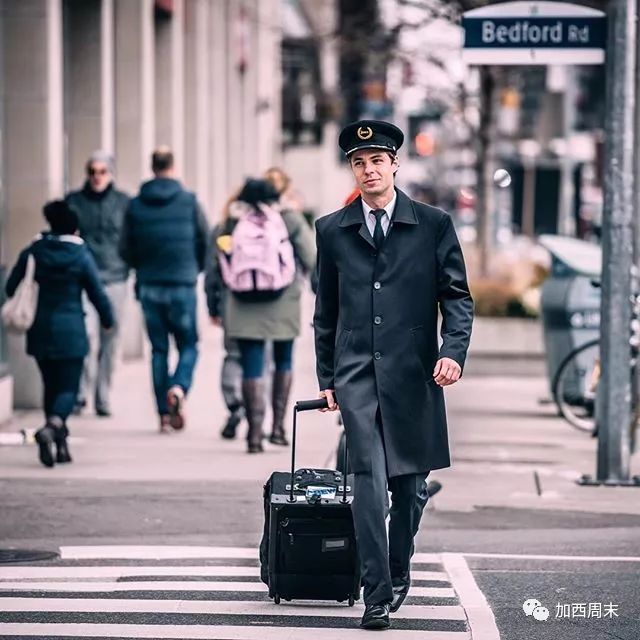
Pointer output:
x,y
513,33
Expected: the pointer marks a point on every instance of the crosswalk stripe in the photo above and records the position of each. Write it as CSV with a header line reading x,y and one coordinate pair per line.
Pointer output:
x,y
30,573
26,573
265,608
150,552
207,632
168,552
433,592
195,593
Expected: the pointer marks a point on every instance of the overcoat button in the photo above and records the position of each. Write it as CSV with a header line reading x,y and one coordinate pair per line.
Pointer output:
x,y
376,285
377,320
377,355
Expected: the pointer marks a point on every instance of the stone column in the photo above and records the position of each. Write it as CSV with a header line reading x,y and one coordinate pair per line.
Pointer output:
x,y
135,120
198,113
268,85
89,107
33,146
220,117
169,81
134,73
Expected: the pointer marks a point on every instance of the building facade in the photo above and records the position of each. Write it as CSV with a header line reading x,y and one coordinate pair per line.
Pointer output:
x,y
203,76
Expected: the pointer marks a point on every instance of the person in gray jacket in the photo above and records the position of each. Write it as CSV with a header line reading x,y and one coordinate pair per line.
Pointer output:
x,y
100,208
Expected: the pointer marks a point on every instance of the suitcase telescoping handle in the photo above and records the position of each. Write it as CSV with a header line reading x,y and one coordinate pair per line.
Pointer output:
x,y
310,405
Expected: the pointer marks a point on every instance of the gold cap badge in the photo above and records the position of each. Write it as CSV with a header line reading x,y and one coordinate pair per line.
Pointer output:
x,y
364,133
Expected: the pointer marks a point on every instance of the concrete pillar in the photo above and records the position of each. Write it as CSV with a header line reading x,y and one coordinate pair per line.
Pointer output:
x,y
32,144
235,125
135,120
89,103
197,112
268,106
107,76
169,81
248,90
134,75
222,175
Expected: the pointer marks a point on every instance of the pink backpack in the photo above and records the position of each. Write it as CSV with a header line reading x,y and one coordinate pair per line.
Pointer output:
x,y
261,264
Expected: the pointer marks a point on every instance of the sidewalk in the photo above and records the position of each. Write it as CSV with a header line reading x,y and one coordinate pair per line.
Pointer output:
x,y
500,435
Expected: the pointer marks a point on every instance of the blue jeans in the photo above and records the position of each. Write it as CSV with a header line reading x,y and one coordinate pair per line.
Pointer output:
x,y
252,356
170,311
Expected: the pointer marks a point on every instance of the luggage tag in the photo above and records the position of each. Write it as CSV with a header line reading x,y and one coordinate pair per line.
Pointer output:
x,y
314,494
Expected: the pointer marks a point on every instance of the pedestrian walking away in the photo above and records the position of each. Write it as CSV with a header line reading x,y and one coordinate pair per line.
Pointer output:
x,y
164,238
216,293
386,265
100,208
262,256
57,339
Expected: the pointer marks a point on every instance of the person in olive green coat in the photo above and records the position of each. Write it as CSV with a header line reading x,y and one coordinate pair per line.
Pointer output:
x,y
252,323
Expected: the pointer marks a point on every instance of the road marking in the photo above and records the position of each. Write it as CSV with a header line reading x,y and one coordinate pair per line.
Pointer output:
x,y
524,556
48,573
206,632
481,620
26,573
199,601
138,552
266,608
244,587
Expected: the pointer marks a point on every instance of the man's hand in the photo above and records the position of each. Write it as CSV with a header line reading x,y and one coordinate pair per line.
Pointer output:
x,y
328,394
447,372
216,321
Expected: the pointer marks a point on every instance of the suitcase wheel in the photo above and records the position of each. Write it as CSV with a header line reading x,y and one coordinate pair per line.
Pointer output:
x,y
352,601
276,598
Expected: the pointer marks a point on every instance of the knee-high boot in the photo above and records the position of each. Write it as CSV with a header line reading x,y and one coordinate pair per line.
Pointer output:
x,y
280,396
254,406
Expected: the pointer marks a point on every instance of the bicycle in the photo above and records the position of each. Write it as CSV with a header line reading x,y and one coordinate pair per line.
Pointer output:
x,y
575,384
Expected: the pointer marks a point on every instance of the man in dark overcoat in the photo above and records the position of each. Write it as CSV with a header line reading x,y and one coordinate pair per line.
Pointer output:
x,y
386,265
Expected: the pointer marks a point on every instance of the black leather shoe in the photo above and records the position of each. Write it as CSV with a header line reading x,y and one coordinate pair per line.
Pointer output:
x,y
62,448
376,616
45,438
229,430
399,594
103,412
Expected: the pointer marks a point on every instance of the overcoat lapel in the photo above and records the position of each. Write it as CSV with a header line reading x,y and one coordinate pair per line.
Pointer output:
x,y
352,216
403,214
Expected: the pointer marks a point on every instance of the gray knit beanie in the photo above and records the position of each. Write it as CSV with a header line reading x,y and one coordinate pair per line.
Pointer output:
x,y
103,156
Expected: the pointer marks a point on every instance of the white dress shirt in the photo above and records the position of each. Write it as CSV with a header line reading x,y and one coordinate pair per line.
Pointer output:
x,y
370,219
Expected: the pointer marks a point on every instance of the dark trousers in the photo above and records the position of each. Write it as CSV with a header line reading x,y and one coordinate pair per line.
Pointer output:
x,y
231,375
385,562
252,356
170,311
60,379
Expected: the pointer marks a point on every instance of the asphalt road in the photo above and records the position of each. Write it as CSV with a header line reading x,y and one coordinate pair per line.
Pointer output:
x,y
46,514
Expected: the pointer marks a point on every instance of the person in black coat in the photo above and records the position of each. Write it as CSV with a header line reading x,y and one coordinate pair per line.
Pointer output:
x,y
386,266
58,337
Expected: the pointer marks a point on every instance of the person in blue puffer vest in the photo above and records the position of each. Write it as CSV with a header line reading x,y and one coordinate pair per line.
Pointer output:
x,y
164,238
57,338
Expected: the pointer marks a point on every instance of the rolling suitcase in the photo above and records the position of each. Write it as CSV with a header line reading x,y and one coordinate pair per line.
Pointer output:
x,y
308,549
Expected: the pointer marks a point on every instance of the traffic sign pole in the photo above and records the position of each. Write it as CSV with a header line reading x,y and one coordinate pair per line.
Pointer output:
x,y
614,392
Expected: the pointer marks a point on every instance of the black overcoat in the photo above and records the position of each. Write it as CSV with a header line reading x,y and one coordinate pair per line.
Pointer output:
x,y
376,329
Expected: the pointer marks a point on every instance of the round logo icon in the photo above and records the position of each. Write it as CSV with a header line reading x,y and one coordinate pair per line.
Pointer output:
x,y
364,133
541,614
529,605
